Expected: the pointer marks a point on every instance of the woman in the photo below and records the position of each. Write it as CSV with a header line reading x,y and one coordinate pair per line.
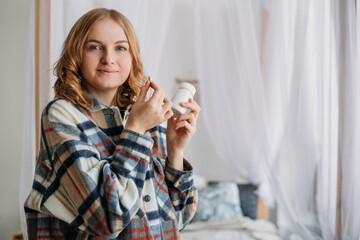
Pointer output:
x,y
103,170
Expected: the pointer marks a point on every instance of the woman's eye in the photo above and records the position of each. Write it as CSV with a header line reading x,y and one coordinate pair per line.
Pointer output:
x,y
120,48
94,47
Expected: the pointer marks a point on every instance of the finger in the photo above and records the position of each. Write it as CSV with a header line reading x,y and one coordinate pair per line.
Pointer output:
x,y
144,89
171,121
154,85
158,94
167,104
168,115
189,117
184,124
193,106
194,102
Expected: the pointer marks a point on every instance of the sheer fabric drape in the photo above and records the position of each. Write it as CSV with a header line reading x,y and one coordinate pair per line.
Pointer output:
x,y
349,62
150,20
269,97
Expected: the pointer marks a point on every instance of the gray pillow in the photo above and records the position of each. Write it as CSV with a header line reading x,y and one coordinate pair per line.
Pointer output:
x,y
248,200
219,202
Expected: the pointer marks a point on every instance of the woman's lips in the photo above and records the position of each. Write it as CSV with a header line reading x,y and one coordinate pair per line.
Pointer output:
x,y
107,71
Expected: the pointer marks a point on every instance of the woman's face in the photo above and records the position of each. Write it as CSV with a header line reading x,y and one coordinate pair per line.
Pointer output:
x,y
106,60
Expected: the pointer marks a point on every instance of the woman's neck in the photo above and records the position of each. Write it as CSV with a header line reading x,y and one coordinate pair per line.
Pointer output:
x,y
105,97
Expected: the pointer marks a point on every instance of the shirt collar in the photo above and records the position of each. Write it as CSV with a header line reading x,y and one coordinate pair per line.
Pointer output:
x,y
97,105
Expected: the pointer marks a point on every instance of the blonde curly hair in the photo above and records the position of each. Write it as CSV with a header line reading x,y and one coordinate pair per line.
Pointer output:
x,y
68,68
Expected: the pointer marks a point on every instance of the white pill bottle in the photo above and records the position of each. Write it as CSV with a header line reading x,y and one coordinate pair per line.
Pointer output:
x,y
184,92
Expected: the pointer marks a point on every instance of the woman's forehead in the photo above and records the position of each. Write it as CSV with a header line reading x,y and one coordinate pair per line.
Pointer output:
x,y
107,30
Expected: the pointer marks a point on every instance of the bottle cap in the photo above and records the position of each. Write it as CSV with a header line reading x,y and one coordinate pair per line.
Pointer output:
x,y
189,87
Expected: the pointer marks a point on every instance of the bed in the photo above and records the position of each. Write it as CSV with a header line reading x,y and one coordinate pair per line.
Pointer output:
x,y
227,210
244,229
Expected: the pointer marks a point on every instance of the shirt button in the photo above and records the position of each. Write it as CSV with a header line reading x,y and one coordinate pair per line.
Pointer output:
x,y
147,198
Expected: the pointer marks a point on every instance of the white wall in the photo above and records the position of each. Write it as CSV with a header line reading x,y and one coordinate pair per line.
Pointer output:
x,y
14,17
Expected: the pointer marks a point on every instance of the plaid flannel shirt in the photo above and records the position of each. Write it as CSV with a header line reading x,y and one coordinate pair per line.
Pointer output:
x,y
96,180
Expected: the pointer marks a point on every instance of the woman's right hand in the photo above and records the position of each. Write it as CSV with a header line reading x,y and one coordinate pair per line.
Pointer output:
x,y
148,113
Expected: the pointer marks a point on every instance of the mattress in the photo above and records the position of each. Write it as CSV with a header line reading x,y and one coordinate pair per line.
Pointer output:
x,y
244,229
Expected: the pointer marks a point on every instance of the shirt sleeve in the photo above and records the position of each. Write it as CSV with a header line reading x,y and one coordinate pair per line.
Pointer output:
x,y
72,183
182,192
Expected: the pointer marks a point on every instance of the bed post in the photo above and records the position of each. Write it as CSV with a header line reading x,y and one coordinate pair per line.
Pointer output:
x,y
262,210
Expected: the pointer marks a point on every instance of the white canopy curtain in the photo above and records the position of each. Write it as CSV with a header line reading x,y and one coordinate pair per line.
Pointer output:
x,y
220,62
349,75
278,119
150,20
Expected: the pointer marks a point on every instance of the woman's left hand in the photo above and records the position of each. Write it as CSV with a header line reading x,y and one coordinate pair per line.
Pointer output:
x,y
180,131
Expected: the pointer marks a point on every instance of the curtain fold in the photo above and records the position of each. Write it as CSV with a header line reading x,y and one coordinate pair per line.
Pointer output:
x,y
223,59
309,147
349,39
326,64
271,110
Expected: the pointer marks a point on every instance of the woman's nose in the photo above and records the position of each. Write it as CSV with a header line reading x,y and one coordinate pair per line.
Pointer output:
x,y
108,57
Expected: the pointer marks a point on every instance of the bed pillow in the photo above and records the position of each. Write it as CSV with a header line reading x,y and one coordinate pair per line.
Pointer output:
x,y
248,200
218,202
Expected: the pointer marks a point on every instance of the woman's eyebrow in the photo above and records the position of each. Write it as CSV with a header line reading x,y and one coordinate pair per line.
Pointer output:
x,y
97,41
94,40
121,41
